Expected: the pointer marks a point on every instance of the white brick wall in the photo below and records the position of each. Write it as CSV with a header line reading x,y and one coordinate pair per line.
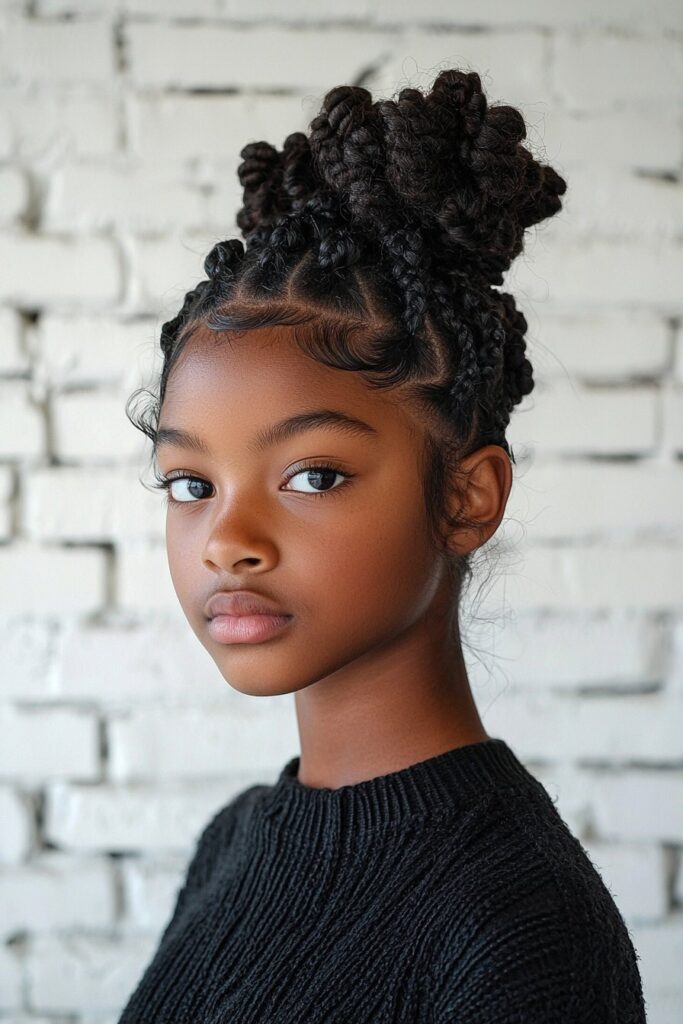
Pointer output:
x,y
121,123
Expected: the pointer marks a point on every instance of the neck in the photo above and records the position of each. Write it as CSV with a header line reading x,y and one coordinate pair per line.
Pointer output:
x,y
385,711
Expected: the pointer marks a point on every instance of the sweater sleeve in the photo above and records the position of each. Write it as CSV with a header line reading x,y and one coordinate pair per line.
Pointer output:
x,y
538,959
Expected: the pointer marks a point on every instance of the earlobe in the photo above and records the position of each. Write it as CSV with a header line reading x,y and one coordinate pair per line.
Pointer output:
x,y
478,504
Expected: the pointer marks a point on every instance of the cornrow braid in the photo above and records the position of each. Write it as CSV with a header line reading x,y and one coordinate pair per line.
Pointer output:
x,y
410,264
466,374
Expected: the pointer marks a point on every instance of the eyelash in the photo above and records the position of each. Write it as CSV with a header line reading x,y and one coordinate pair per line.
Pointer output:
x,y
164,482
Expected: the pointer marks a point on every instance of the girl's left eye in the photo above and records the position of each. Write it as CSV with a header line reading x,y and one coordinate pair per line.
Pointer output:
x,y
320,473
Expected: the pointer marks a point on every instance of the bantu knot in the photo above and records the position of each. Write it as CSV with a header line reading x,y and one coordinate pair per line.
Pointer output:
x,y
223,258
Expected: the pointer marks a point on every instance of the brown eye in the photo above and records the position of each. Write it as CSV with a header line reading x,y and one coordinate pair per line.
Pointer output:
x,y
320,478
178,493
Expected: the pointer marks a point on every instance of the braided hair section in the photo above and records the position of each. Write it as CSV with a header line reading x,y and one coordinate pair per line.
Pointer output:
x,y
402,214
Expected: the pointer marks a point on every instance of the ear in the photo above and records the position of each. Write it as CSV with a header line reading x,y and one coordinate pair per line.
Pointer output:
x,y
484,482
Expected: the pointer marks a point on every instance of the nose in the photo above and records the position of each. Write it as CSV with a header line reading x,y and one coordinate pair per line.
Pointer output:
x,y
239,534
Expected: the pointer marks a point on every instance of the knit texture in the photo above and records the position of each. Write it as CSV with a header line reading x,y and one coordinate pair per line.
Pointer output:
x,y
449,892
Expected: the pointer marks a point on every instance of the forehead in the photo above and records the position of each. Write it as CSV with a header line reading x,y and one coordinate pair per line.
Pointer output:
x,y
263,375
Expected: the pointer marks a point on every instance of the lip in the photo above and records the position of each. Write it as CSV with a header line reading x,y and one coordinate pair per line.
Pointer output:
x,y
241,603
246,629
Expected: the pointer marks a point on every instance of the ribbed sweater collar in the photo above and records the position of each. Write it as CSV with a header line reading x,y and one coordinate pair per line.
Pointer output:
x,y
426,790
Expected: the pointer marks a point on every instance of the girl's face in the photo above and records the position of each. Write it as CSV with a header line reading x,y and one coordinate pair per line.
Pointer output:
x,y
345,551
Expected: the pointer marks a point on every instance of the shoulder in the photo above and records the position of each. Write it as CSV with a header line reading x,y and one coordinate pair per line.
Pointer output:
x,y
213,846
533,934
222,826
228,815
217,837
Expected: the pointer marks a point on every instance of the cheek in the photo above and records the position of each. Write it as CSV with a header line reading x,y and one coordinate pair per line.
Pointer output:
x,y
182,557
380,565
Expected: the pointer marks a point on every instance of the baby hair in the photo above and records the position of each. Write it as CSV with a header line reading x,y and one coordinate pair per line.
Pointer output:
x,y
380,237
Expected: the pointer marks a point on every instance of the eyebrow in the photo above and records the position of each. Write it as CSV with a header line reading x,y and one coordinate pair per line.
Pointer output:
x,y
275,433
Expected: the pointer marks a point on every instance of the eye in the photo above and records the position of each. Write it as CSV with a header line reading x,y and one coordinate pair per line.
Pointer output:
x,y
318,477
175,497
184,489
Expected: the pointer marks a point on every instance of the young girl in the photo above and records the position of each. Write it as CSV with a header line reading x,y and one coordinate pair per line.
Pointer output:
x,y
330,431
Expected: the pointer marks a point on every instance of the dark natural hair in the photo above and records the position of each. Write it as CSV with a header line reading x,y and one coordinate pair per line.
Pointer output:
x,y
379,237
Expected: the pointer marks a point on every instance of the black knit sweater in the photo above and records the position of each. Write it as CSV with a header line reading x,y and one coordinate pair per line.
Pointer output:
x,y
449,892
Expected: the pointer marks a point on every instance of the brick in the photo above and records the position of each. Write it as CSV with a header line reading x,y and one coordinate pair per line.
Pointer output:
x,y
616,138
6,135
50,124
672,399
92,198
635,873
144,744
11,978
166,8
93,425
119,818
66,973
490,14
54,51
17,828
607,62
296,10
588,578
609,204
597,273
576,499
123,666
119,508
660,948
6,526
606,348
676,660
597,651
162,8
493,13
217,56
210,127
30,1018
222,207
561,417
61,582
638,805
96,350
27,645
678,354
50,8
143,581
639,727
57,891
23,429
6,496
12,357
55,742
13,195
678,882
664,1007
150,887
164,270
512,66
42,271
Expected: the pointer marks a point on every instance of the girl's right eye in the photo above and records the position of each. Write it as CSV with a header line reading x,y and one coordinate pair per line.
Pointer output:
x,y
194,488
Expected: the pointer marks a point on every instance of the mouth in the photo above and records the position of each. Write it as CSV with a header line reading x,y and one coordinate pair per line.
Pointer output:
x,y
247,629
